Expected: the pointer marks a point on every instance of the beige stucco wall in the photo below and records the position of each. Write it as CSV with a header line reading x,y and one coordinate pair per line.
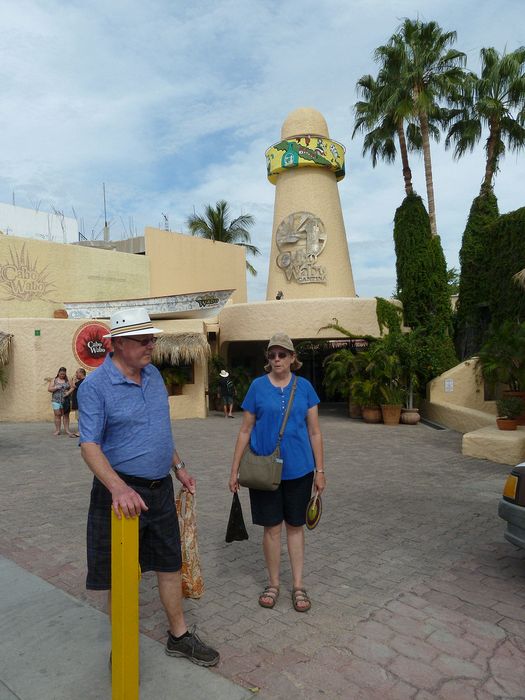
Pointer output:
x,y
181,264
462,407
312,190
300,318
501,446
464,388
35,359
36,277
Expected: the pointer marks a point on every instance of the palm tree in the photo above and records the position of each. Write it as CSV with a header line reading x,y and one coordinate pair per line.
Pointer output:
x,y
495,100
217,225
382,127
427,70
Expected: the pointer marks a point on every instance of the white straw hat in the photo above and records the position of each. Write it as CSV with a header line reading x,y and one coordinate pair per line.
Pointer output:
x,y
224,373
131,322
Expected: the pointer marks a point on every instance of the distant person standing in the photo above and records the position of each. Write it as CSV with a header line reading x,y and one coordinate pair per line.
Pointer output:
x,y
226,392
60,390
80,375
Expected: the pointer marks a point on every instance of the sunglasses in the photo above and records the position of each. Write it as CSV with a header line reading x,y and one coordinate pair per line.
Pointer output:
x,y
142,341
274,355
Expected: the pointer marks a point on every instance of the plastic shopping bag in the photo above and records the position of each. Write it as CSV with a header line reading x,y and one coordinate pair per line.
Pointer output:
x,y
192,581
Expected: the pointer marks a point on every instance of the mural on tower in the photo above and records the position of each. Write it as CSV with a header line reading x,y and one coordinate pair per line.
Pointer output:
x,y
305,151
301,239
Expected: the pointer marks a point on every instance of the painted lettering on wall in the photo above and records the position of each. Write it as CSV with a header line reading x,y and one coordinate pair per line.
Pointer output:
x,y
89,345
23,279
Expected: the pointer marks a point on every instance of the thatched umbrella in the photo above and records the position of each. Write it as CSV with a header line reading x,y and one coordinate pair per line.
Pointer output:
x,y
5,343
181,348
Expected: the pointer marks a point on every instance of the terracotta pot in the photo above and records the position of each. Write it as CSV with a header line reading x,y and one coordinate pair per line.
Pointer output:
x,y
371,414
506,423
391,413
410,416
520,420
354,410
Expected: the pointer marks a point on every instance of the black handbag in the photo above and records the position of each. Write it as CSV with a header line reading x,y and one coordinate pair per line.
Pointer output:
x,y
236,529
263,472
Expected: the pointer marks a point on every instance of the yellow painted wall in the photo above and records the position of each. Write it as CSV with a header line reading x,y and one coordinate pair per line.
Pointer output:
x,y
35,359
181,264
36,277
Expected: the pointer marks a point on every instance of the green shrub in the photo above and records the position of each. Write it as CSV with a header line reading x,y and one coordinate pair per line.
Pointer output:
x,y
506,248
474,256
510,407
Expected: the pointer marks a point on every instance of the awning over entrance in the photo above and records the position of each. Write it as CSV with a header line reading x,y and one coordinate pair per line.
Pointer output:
x,y
181,348
5,343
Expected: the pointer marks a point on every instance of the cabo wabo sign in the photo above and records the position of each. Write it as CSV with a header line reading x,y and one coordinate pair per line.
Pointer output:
x,y
89,346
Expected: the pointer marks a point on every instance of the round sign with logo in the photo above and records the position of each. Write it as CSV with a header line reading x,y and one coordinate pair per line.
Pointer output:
x,y
89,346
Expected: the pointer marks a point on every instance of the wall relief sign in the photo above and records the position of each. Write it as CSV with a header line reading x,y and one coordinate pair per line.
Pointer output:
x,y
21,278
301,239
89,346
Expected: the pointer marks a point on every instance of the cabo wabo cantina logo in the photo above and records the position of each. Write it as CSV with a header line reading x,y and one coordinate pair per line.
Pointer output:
x,y
89,346
20,278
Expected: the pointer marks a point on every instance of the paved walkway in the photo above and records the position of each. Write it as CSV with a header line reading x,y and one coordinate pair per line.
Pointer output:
x,y
415,592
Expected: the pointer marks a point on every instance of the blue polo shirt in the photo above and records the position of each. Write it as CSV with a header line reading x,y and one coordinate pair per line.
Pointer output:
x,y
130,422
268,404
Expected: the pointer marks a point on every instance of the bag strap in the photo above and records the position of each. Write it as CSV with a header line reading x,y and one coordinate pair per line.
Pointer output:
x,y
285,419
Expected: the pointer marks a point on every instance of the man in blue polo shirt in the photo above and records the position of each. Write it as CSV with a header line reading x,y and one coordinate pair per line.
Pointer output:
x,y
126,441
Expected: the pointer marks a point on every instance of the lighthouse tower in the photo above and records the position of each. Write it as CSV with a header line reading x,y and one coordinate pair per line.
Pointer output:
x,y
309,255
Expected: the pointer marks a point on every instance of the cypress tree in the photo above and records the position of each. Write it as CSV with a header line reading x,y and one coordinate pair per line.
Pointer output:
x,y
472,308
421,268
422,288
506,253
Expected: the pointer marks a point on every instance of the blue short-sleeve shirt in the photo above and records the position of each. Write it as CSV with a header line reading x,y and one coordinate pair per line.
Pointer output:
x,y
130,422
268,404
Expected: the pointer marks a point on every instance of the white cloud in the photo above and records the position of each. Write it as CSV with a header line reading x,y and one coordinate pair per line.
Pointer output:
x,y
174,105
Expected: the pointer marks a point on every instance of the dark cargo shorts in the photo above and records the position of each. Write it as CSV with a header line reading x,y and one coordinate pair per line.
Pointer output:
x,y
288,503
159,537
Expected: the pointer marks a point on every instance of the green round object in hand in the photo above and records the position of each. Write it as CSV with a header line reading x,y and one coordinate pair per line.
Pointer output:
x,y
313,512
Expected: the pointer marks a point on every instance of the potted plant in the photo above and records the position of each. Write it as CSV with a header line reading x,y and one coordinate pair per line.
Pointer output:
x,y
174,377
340,366
393,396
501,360
409,354
365,390
509,408
385,366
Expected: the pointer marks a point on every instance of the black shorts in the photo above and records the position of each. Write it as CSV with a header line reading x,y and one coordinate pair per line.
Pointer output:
x,y
159,537
288,503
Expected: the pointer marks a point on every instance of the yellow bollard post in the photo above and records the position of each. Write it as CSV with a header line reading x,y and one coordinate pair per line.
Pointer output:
x,y
125,607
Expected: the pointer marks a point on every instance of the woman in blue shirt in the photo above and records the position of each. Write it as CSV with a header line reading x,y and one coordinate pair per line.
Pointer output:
x,y
302,453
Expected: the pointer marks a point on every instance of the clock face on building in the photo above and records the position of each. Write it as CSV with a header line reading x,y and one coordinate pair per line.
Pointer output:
x,y
89,346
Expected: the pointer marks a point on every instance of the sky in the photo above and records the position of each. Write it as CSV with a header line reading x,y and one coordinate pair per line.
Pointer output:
x,y
172,105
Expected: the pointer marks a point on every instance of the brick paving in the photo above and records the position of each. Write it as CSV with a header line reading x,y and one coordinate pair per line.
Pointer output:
x,y
415,592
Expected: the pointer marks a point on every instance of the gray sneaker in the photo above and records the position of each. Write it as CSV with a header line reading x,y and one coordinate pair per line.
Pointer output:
x,y
192,648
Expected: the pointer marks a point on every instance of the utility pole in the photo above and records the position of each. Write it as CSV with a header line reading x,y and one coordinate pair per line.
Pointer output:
x,y
106,227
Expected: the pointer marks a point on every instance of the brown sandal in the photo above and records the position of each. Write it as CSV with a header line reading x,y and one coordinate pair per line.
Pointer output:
x,y
271,592
299,595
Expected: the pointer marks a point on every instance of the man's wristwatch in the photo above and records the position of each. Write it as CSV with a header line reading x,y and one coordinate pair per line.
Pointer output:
x,y
179,466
